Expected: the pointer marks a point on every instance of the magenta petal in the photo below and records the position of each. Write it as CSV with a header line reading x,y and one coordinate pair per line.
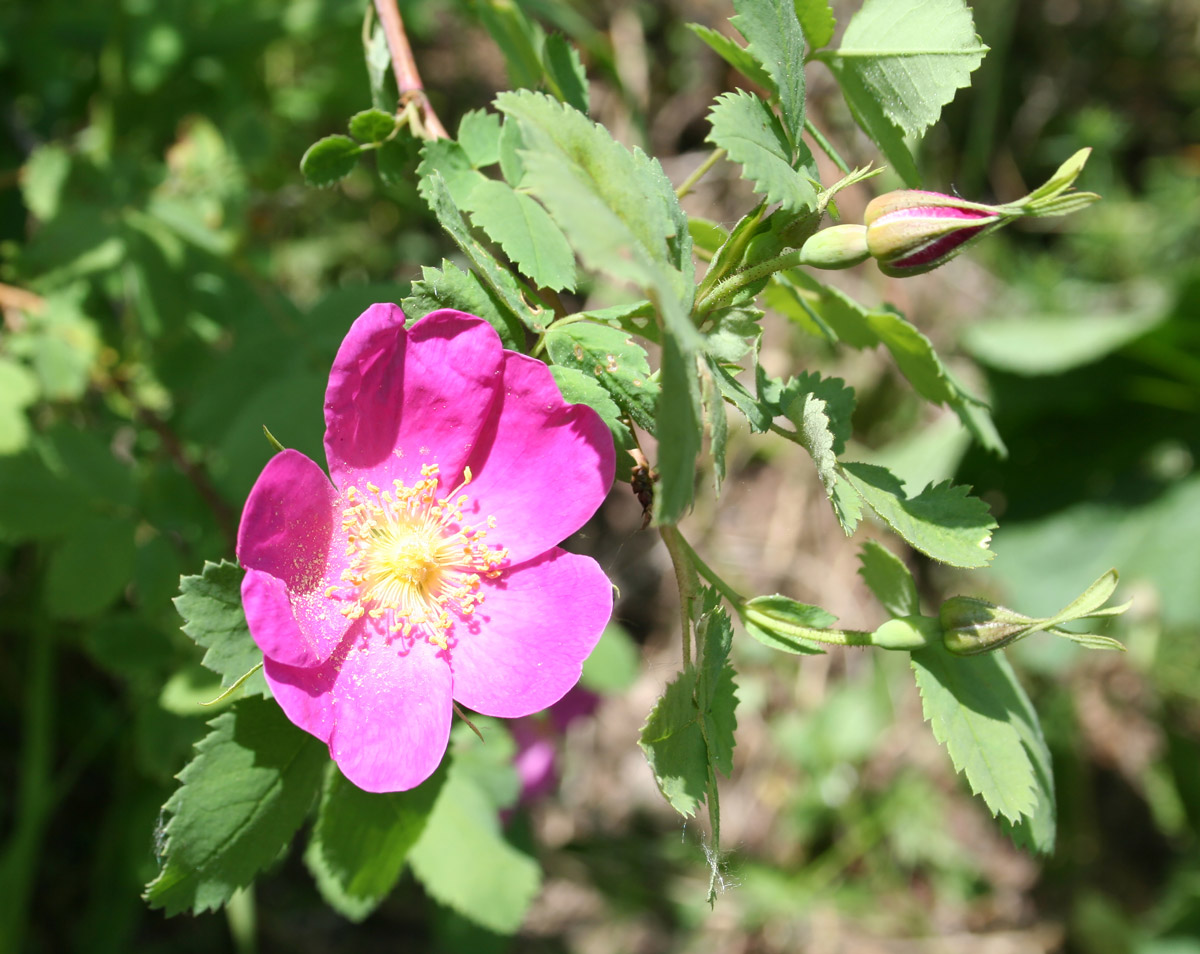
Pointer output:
x,y
526,644
397,400
548,467
384,709
286,542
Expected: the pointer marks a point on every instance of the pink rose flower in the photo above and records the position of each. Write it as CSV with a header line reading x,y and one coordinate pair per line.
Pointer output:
x,y
427,571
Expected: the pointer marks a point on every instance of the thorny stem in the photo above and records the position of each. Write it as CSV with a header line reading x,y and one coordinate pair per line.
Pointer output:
x,y
689,183
685,579
408,80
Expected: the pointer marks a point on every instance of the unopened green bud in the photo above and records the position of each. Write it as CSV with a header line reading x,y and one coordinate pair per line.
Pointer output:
x,y
971,625
838,246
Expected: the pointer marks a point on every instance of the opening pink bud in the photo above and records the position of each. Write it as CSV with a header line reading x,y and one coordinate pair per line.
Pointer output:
x,y
910,231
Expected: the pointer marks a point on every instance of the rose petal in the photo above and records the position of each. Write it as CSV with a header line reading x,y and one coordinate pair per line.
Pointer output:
x,y
397,400
548,467
525,646
286,542
384,709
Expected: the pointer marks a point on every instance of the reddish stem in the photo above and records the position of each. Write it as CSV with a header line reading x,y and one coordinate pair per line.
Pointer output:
x,y
408,80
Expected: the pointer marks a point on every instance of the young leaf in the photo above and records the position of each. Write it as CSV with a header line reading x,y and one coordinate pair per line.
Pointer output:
x,y
451,287
779,622
450,161
775,38
372,125
942,521
744,126
616,207
612,358
817,20
910,55
479,137
211,607
688,735
330,159
677,427
462,858
888,579
674,745
239,802
565,73
974,709
436,193
361,840
736,56
525,231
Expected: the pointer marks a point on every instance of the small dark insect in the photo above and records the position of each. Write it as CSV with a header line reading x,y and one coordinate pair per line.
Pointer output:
x,y
642,479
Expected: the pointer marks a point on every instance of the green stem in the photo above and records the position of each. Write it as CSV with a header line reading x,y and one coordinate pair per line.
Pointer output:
x,y
728,287
18,864
826,146
702,170
685,579
735,599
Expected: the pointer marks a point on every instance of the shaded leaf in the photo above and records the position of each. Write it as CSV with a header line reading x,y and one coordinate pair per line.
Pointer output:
x,y
211,607
239,802
330,159
888,579
372,125
942,521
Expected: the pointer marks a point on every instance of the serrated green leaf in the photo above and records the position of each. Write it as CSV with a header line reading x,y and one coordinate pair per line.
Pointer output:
x,y
436,193
678,428
88,570
817,20
519,38
836,395
943,521
372,125
868,113
451,287
211,607
847,504
565,72
862,327
744,126
479,137
450,161
525,231
360,842
736,56
239,802
911,56
689,733
616,207
462,858
674,745
580,388
330,159
973,708
1037,830
613,359
757,414
808,413
888,579
775,38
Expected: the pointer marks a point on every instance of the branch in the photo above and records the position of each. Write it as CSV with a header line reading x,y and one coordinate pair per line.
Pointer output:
x,y
408,80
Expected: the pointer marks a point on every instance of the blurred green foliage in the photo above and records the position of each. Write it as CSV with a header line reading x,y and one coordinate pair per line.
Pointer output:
x,y
169,285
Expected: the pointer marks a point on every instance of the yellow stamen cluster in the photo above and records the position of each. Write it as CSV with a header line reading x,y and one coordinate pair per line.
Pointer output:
x,y
413,559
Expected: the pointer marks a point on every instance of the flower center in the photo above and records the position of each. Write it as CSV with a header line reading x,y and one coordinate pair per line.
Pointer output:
x,y
413,558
